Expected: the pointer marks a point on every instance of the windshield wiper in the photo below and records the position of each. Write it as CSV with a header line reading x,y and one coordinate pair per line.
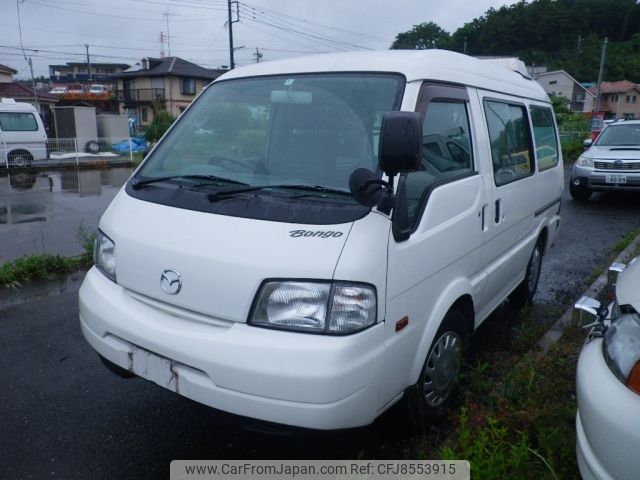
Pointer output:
x,y
309,188
141,183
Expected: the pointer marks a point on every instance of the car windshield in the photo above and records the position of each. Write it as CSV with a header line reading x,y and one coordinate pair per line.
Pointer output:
x,y
620,135
312,129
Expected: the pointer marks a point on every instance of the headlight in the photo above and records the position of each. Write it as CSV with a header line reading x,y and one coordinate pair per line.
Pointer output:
x,y
584,161
622,350
104,255
315,307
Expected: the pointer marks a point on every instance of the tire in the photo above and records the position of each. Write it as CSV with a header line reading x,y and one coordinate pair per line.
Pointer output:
x,y
20,159
524,293
580,194
438,379
92,147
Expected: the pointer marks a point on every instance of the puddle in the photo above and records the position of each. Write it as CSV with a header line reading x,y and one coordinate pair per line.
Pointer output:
x,y
41,211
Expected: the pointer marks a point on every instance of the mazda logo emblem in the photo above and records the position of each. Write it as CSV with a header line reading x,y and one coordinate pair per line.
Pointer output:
x,y
171,282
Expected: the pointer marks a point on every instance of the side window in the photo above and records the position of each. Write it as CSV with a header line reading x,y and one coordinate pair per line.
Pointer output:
x,y
446,152
511,150
544,134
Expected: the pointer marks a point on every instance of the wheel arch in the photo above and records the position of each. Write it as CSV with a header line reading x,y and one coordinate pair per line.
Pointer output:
x,y
458,295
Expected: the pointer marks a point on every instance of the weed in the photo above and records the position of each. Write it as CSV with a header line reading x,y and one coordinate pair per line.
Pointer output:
x,y
30,267
87,239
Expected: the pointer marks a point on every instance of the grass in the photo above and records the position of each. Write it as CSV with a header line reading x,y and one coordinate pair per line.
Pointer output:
x,y
525,428
42,266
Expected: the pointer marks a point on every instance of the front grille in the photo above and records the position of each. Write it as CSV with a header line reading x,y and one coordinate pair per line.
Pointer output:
x,y
617,166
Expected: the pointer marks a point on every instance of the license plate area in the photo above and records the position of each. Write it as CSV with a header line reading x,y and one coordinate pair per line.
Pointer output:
x,y
155,368
615,178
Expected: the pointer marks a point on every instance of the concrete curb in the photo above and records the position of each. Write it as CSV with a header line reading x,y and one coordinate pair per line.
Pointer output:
x,y
40,289
554,334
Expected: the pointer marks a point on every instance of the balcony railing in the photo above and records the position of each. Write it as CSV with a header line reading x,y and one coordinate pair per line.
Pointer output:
x,y
141,95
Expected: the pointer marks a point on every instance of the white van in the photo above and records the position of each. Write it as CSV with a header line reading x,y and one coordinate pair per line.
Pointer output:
x,y
23,138
238,269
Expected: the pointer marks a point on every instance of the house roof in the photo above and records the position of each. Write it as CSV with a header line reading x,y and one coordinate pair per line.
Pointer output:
x,y
15,90
161,67
620,86
5,69
93,64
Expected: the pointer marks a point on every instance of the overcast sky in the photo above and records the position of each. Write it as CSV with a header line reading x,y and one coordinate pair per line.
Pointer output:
x,y
56,31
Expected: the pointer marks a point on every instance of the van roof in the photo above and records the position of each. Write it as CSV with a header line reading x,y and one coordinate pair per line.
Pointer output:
x,y
16,107
415,65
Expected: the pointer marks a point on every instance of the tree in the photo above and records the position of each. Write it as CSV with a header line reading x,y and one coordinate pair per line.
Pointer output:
x,y
161,122
420,37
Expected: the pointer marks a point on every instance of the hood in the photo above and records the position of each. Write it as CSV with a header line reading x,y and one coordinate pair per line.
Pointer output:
x,y
628,285
613,153
222,260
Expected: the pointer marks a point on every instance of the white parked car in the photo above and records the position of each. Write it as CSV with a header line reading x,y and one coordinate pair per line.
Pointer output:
x,y
97,89
58,90
328,246
608,384
23,138
611,163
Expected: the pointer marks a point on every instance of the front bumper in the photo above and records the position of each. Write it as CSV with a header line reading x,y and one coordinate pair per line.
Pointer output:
x,y
607,422
594,179
298,379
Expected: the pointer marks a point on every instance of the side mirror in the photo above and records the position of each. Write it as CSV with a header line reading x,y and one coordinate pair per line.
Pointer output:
x,y
586,311
587,143
400,147
370,191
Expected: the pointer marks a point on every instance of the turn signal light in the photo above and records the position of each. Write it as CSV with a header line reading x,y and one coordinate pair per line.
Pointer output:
x,y
633,382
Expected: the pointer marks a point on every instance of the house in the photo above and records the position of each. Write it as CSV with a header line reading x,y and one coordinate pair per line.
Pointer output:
x,y
6,74
619,99
79,72
170,83
560,83
43,101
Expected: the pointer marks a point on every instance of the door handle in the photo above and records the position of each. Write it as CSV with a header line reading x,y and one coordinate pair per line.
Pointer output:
x,y
497,212
483,216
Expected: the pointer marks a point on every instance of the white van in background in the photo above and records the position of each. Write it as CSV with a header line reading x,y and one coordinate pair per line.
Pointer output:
x,y
329,245
23,138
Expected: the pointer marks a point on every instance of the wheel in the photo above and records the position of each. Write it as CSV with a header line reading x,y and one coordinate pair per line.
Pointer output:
x,y
439,376
20,159
523,294
580,194
92,147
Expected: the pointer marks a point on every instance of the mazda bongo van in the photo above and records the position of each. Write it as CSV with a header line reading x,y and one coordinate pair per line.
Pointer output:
x,y
314,238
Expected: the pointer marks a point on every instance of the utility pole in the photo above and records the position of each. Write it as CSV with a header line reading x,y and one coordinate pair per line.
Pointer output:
x,y
464,49
28,60
86,45
604,51
231,21
166,17
258,55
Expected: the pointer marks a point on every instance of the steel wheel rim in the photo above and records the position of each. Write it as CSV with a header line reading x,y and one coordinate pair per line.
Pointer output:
x,y
441,369
534,269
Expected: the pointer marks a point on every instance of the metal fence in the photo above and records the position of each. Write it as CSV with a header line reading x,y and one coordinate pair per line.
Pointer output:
x,y
71,151
568,137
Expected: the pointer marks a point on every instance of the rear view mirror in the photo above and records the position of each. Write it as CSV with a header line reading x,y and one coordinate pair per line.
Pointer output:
x,y
586,311
400,148
587,143
286,96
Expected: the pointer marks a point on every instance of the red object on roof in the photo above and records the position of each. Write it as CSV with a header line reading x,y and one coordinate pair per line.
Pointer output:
x,y
621,86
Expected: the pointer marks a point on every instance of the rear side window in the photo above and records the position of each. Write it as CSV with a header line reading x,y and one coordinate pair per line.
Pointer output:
x,y
544,134
18,122
511,149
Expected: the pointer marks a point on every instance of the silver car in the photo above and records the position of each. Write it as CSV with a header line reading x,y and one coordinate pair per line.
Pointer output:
x,y
611,163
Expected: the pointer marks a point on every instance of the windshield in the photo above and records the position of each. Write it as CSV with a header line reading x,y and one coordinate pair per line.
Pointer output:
x,y
620,135
312,129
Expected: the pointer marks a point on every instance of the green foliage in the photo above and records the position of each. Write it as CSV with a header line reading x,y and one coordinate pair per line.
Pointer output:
x,y
425,35
161,122
546,32
30,267
87,239
494,451
572,150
